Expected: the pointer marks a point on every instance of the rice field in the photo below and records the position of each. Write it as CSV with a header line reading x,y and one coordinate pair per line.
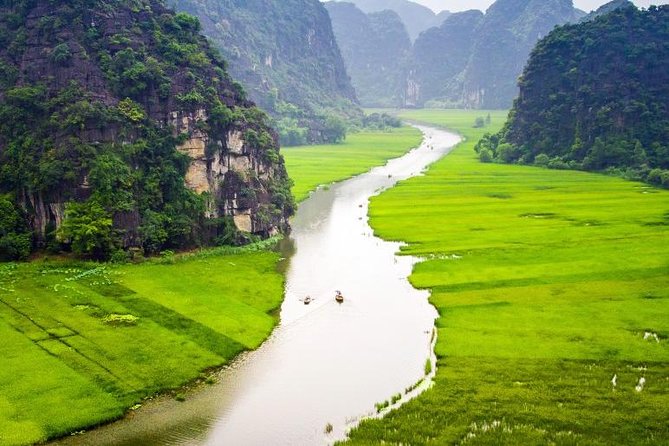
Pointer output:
x,y
321,165
83,342
553,294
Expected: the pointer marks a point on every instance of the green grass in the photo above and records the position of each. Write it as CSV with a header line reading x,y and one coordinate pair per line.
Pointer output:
x,y
546,283
312,166
83,343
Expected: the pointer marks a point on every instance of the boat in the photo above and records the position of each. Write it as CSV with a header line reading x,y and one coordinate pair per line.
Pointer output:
x,y
339,297
307,300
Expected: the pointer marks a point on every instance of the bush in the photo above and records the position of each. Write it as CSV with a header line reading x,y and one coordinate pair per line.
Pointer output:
x,y
87,228
541,160
485,155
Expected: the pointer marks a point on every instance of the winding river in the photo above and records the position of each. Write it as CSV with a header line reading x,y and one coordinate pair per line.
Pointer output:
x,y
326,363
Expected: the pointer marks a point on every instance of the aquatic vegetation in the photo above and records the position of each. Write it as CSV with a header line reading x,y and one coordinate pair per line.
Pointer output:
x,y
542,311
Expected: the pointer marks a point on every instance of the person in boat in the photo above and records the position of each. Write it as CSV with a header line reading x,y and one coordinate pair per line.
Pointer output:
x,y
339,297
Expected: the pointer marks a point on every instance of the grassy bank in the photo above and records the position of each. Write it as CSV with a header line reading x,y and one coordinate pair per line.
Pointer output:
x,y
81,343
553,291
312,166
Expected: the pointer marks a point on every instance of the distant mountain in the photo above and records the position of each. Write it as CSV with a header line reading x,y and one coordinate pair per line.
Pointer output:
x,y
120,127
605,9
500,45
285,54
595,96
417,18
440,56
376,48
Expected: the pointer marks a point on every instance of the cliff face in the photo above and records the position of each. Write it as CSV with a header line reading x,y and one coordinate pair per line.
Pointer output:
x,y
505,39
416,18
122,106
285,55
474,60
376,48
441,54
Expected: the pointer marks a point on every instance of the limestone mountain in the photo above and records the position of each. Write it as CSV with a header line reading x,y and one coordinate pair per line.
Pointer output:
x,y
606,8
440,57
285,54
595,96
417,18
376,48
120,127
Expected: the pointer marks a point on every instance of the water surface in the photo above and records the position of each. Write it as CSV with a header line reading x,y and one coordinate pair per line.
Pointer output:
x,y
325,363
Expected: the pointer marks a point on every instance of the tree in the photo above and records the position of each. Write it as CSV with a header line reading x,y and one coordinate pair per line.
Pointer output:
x,y
87,227
15,240
479,123
335,129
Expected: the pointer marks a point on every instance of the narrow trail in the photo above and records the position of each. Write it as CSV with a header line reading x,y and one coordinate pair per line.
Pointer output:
x,y
325,363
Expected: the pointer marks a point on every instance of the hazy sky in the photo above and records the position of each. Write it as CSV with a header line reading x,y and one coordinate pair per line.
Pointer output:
x,y
462,5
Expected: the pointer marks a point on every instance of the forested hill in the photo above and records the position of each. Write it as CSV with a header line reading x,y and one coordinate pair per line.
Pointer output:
x,y
120,127
376,48
285,54
595,96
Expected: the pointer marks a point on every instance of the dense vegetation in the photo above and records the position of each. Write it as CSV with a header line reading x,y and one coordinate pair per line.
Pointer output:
x,y
552,290
82,343
285,54
595,96
376,48
95,98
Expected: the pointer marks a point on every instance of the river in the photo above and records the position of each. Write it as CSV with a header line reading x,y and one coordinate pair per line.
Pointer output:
x,y
326,363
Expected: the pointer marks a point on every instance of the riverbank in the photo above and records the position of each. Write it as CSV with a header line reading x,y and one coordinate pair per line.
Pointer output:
x,y
553,291
98,339
313,166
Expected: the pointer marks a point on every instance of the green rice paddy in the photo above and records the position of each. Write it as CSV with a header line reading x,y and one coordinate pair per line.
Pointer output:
x,y
313,166
82,343
553,294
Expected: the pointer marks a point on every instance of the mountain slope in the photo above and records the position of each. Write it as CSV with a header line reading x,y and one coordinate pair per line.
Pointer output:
x,y
376,49
120,127
417,18
595,96
285,54
441,55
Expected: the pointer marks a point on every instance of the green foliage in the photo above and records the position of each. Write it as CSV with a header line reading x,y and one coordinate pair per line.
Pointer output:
x,y
335,129
594,97
131,110
87,228
15,238
61,54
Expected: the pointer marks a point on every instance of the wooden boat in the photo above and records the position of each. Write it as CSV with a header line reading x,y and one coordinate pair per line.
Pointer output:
x,y
339,297
307,300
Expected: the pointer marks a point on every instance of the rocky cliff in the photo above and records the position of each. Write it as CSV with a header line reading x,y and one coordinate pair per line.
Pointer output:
x,y
376,48
120,127
416,17
285,55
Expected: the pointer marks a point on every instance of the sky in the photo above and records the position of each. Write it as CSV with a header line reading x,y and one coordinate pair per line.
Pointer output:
x,y
462,5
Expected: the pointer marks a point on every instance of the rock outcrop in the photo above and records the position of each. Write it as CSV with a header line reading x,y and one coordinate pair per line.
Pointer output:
x,y
124,106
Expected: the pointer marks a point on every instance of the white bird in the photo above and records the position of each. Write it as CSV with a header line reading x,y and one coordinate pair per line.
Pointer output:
x,y
614,380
